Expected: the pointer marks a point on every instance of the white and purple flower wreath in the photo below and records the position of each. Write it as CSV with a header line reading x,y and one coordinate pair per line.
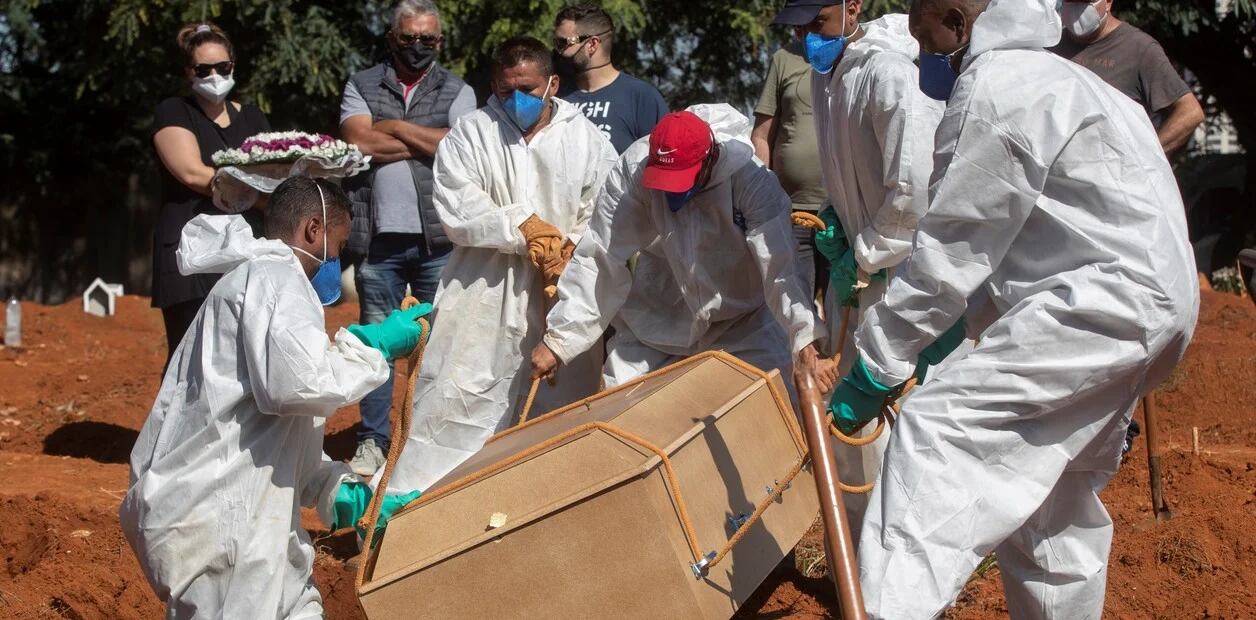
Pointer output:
x,y
283,146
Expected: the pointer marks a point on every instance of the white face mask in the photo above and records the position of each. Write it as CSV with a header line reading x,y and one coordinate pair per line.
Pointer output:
x,y
213,87
1082,20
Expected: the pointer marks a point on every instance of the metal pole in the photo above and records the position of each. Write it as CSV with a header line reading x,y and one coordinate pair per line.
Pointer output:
x,y
1158,506
840,549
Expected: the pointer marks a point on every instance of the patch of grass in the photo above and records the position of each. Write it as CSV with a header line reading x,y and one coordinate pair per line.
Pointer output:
x,y
1184,555
809,559
990,563
1171,384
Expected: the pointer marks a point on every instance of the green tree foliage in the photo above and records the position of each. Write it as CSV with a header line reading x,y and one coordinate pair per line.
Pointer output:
x,y
1217,42
79,80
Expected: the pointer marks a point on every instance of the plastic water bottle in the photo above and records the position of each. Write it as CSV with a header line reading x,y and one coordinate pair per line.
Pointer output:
x,y
13,323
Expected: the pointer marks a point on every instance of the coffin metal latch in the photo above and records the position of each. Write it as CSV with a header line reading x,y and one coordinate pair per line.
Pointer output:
x,y
699,568
772,489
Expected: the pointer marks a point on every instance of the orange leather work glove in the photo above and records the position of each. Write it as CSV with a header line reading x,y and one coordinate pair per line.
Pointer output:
x,y
543,240
554,266
557,262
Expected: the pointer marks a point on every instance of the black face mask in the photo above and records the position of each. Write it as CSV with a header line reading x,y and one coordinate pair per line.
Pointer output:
x,y
415,58
564,65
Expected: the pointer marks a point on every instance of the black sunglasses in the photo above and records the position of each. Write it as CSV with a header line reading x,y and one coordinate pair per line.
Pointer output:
x,y
223,68
428,40
562,43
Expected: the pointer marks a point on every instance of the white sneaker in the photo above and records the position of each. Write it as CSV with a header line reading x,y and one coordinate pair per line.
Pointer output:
x,y
367,459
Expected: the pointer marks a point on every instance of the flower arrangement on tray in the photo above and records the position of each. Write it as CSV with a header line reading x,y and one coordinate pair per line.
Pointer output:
x,y
266,159
283,147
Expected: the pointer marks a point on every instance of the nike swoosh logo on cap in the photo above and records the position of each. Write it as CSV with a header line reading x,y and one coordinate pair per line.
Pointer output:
x,y
661,152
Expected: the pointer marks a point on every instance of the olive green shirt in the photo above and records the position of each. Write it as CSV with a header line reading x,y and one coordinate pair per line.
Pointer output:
x,y
795,153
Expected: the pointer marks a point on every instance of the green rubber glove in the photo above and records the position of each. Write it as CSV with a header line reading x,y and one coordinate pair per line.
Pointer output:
x,y
844,277
941,348
395,336
392,503
352,498
831,242
857,399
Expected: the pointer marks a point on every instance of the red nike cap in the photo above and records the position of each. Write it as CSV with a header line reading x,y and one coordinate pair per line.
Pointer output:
x,y
678,146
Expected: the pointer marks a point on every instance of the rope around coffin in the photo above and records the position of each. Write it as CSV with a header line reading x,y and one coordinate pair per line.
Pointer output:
x,y
892,406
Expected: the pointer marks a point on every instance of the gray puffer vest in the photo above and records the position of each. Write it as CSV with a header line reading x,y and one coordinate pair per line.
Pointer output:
x,y
429,107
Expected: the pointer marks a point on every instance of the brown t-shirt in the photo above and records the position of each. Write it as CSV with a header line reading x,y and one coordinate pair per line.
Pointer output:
x,y
1132,62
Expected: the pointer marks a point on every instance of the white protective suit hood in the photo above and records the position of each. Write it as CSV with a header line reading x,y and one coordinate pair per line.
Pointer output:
x,y
725,121
1014,24
886,33
728,125
219,244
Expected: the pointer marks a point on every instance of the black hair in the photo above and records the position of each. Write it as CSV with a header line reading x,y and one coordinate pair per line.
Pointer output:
x,y
297,199
590,19
518,50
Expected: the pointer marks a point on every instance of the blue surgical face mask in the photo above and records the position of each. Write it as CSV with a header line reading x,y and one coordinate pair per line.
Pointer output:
x,y
822,51
937,74
676,200
524,109
326,280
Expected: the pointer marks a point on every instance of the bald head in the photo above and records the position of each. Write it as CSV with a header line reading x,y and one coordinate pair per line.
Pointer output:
x,y
971,8
944,26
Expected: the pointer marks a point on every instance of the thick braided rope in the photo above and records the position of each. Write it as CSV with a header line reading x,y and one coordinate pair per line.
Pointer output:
x,y
527,404
401,432
804,219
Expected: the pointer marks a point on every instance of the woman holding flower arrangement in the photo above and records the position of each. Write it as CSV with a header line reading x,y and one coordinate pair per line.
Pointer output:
x,y
186,132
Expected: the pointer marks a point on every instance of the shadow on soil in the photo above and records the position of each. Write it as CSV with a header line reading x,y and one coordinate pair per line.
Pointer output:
x,y
99,441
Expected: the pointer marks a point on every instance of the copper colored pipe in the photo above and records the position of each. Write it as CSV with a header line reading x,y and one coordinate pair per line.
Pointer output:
x,y
839,548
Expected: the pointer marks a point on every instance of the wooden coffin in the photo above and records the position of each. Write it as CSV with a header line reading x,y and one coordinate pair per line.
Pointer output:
x,y
581,513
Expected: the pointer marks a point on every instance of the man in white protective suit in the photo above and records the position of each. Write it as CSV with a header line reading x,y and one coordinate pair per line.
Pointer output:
x,y
515,187
875,132
1050,192
716,268
233,445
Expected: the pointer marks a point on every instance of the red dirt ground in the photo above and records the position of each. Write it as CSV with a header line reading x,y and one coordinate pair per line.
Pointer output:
x,y
73,398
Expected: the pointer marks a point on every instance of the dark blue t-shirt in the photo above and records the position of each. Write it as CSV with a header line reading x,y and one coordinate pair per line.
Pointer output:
x,y
624,110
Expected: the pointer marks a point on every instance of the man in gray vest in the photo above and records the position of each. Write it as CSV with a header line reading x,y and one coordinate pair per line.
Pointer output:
x,y
398,112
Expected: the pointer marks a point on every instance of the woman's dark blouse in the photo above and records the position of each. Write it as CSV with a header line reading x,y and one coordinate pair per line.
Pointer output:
x,y
180,203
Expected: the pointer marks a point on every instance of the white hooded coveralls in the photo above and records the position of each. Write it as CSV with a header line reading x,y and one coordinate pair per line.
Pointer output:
x,y
1050,192
875,132
233,445
490,308
720,273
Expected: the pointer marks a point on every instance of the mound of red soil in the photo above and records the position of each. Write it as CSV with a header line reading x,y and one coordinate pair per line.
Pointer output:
x,y
70,560
74,398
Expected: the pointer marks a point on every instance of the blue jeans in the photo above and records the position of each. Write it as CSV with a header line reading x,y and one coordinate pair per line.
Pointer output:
x,y
394,260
